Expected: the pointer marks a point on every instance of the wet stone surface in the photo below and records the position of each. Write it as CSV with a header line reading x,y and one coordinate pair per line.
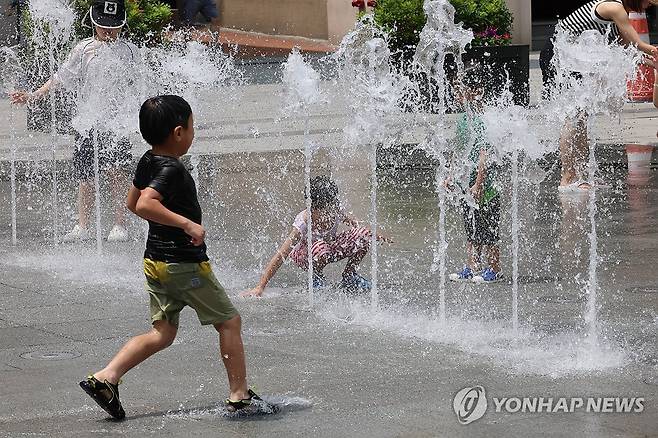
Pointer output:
x,y
68,303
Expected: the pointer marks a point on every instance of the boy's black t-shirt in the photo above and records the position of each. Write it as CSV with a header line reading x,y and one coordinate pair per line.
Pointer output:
x,y
169,177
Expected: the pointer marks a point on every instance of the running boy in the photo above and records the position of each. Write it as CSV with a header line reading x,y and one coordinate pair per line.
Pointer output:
x,y
482,214
176,266
329,246
86,73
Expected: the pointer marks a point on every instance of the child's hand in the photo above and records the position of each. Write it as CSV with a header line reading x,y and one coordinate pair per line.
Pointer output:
x,y
447,183
19,97
383,238
196,232
476,191
650,61
255,292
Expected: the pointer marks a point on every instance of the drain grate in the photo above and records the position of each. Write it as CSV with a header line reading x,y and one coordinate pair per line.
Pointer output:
x,y
643,289
50,355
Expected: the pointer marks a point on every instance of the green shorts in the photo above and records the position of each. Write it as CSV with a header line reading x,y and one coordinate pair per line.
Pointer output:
x,y
172,286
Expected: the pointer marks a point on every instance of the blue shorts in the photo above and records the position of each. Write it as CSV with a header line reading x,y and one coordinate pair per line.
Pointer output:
x,y
207,8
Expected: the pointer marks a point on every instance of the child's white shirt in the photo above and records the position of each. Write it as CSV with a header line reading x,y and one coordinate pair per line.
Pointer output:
x,y
83,66
108,80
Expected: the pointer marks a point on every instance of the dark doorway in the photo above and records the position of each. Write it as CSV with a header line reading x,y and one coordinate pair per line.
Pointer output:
x,y
544,16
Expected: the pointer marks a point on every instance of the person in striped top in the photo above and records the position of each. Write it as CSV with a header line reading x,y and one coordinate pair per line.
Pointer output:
x,y
608,17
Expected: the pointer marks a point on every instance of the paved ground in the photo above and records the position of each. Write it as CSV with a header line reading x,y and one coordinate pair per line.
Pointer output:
x,y
339,367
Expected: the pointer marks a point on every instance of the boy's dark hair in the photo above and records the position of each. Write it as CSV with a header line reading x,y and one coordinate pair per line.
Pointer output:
x,y
160,115
324,192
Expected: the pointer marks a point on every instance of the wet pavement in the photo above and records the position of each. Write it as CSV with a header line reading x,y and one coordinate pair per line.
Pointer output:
x,y
340,367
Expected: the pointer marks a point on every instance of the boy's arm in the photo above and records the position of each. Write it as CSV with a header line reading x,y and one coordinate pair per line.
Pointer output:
x,y
275,263
476,190
67,72
149,207
20,97
131,199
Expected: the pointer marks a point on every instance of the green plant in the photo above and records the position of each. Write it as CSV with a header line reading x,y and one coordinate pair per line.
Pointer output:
x,y
403,19
490,20
146,19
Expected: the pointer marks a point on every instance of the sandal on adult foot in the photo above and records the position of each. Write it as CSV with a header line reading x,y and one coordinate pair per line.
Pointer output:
x,y
105,394
236,405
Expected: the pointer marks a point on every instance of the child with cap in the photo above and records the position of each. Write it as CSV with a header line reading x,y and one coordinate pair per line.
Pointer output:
x,y
83,72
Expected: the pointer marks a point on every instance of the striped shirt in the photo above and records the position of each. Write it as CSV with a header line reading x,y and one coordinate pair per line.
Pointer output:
x,y
586,18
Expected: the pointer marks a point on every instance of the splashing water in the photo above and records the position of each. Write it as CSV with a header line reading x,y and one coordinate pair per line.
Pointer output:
x,y
440,36
301,84
301,90
509,130
187,68
523,350
285,403
58,14
53,29
10,70
374,90
597,87
602,68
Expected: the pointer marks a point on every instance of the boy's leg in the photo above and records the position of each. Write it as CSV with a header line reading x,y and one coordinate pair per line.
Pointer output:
x,y
232,352
137,350
85,202
119,180
472,224
581,148
474,252
493,257
320,262
573,148
115,158
83,164
490,232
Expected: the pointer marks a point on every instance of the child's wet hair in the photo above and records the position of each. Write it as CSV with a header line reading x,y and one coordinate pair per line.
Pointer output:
x,y
324,192
160,115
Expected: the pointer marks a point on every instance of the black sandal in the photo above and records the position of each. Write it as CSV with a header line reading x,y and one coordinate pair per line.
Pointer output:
x,y
105,394
233,406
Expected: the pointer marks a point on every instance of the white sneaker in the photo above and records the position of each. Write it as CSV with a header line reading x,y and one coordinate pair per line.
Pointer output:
x,y
77,234
117,234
